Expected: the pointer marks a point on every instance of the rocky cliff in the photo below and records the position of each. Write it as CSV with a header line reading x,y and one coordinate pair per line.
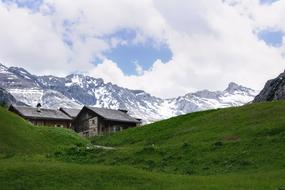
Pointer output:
x,y
273,90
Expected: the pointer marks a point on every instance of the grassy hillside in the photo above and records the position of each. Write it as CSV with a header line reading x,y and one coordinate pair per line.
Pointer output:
x,y
227,149
248,138
246,122
18,136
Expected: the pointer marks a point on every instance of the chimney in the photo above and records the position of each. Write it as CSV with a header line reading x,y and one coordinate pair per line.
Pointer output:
x,y
124,111
39,107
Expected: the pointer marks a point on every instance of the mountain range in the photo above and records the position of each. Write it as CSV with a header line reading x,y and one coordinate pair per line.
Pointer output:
x,y
76,90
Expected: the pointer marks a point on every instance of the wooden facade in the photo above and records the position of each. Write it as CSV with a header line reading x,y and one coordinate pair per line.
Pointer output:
x,y
90,123
51,122
39,117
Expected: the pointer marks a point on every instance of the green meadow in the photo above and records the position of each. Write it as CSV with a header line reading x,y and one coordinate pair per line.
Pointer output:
x,y
239,148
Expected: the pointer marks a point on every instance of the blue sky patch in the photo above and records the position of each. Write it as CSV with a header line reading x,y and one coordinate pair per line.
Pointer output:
x,y
267,1
30,4
271,38
129,54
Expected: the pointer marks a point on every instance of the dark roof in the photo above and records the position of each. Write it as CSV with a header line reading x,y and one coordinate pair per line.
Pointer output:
x,y
113,115
71,112
33,113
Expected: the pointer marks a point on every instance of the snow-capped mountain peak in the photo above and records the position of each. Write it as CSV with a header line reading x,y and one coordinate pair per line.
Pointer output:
x,y
233,87
77,90
234,95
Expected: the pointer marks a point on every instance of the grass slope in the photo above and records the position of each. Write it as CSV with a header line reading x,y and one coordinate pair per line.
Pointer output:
x,y
250,121
19,137
226,149
23,175
248,138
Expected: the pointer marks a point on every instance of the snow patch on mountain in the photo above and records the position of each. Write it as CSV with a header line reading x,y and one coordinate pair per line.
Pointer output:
x,y
47,98
234,95
27,96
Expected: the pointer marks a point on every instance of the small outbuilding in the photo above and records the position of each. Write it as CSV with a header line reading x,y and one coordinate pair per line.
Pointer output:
x,y
92,121
41,116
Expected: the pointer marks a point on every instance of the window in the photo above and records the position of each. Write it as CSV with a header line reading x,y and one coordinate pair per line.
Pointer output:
x,y
85,133
93,122
116,128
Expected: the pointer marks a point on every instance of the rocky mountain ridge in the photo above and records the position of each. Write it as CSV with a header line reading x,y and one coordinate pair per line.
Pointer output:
x,y
77,90
6,99
274,89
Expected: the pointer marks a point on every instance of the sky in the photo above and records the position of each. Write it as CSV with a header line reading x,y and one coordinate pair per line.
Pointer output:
x,y
166,47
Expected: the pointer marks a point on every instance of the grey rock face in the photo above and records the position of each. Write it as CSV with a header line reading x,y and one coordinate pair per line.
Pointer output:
x,y
6,99
14,77
273,90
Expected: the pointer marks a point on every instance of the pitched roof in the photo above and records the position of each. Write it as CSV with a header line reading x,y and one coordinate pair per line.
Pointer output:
x,y
71,112
113,115
33,113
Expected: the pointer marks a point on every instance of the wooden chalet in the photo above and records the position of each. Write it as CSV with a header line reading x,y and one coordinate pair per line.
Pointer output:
x,y
41,116
93,121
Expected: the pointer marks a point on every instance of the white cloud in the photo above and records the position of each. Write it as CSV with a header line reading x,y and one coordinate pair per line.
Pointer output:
x,y
213,43
29,40
109,71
